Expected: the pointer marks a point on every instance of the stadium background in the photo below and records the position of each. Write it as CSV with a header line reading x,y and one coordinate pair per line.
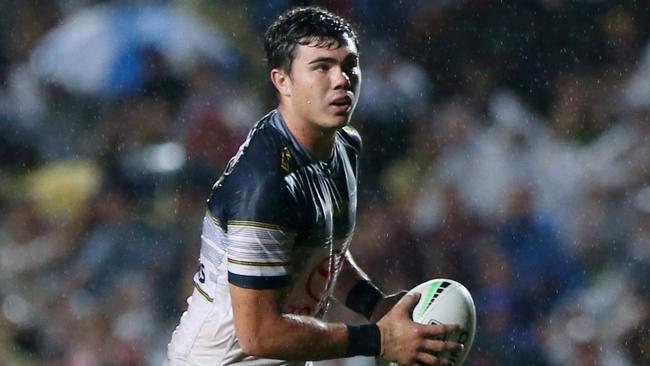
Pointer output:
x,y
506,146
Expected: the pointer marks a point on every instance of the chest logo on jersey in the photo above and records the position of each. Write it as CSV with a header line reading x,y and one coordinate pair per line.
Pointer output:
x,y
285,158
319,279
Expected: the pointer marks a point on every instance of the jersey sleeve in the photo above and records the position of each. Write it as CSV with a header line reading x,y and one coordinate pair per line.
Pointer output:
x,y
259,257
261,230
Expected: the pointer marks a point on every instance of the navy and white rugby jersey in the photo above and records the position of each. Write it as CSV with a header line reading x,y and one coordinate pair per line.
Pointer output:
x,y
277,218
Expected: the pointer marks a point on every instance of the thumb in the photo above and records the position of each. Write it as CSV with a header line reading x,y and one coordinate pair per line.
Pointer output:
x,y
407,303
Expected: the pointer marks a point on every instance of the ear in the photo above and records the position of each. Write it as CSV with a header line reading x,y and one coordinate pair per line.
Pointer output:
x,y
282,82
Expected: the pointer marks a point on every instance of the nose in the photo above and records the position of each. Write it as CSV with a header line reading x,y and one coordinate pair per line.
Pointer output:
x,y
342,79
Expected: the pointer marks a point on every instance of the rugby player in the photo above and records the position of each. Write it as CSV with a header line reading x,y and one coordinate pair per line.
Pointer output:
x,y
276,235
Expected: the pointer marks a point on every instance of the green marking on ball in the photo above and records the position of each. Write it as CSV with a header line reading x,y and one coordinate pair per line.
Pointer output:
x,y
427,298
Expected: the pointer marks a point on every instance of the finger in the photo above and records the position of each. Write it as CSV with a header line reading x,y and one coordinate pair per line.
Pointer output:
x,y
440,329
432,346
396,297
437,346
451,328
453,346
407,303
427,359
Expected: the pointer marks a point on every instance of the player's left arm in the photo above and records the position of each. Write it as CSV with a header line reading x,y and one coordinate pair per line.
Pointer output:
x,y
355,289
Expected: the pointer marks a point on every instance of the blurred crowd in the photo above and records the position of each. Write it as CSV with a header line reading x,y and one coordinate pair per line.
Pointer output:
x,y
505,146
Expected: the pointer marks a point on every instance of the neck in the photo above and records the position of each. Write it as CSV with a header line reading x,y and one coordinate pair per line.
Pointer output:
x,y
317,141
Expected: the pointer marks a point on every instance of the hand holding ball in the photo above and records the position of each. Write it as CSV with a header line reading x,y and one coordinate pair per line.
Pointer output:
x,y
445,301
448,311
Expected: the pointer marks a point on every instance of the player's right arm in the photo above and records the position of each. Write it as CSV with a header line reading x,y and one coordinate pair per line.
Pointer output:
x,y
264,331
262,221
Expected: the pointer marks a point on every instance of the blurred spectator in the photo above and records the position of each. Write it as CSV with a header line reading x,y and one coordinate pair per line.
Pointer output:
x,y
210,135
392,87
638,250
160,83
496,311
28,244
544,273
121,243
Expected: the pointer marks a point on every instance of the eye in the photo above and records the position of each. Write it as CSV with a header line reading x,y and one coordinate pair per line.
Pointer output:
x,y
353,71
322,67
351,66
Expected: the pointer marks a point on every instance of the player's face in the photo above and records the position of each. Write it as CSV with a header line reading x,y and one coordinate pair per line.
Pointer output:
x,y
324,84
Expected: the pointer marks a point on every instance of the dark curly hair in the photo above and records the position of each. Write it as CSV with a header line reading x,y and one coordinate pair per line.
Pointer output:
x,y
304,25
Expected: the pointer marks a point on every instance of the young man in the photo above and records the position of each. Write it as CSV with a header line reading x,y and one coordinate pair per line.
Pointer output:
x,y
279,222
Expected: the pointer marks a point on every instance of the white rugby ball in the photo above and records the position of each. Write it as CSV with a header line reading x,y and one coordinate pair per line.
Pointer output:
x,y
444,301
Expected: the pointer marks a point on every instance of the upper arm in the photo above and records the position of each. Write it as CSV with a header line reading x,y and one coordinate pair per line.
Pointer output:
x,y
260,233
260,225
259,270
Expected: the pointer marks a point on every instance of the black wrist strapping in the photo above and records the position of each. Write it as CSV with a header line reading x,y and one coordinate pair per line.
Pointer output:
x,y
363,298
363,340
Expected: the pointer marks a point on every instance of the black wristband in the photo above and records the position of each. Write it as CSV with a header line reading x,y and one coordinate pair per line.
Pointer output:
x,y
363,297
363,340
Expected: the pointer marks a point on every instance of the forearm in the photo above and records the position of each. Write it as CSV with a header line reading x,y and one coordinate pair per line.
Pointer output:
x,y
349,276
264,331
292,337
356,291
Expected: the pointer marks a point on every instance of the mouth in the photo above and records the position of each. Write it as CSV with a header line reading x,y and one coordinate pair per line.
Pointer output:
x,y
342,103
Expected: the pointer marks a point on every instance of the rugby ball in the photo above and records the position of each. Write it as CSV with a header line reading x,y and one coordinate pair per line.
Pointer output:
x,y
444,301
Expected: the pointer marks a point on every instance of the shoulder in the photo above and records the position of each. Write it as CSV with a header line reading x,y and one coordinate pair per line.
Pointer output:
x,y
259,158
351,138
253,187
